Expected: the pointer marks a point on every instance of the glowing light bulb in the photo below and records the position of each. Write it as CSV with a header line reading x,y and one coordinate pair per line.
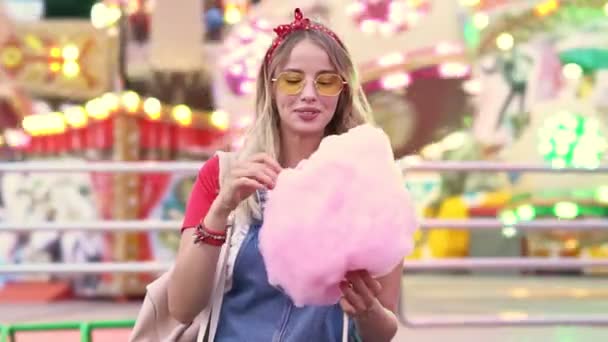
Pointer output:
x,y
153,108
505,41
481,20
182,114
220,119
131,100
71,52
76,116
572,71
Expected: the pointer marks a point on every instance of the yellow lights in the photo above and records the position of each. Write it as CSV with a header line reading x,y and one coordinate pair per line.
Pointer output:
x,y
153,108
34,43
71,69
54,67
572,71
103,16
220,119
96,109
606,8
70,52
55,52
11,57
232,14
130,100
470,3
182,114
30,124
127,103
65,59
601,194
70,55
481,20
505,41
546,7
44,124
76,117
110,101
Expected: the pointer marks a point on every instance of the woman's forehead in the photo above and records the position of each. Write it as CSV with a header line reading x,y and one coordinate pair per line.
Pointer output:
x,y
309,58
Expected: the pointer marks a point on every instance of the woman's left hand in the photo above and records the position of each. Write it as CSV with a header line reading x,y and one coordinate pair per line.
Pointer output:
x,y
360,294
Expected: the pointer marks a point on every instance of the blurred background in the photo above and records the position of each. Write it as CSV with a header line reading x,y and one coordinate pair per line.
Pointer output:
x,y
496,81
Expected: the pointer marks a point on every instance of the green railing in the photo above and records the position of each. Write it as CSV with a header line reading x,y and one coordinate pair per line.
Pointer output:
x,y
8,331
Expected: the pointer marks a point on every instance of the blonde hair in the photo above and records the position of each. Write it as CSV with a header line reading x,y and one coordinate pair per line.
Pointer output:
x,y
352,109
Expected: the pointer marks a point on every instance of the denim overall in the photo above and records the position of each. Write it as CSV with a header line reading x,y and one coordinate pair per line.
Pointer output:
x,y
254,311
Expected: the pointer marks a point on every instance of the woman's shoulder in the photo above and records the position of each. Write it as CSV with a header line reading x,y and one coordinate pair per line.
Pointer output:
x,y
209,174
211,168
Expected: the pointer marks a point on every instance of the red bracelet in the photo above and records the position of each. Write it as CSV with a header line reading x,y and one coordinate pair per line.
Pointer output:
x,y
208,236
211,231
213,242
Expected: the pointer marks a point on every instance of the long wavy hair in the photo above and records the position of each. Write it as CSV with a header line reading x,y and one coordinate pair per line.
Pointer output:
x,y
352,109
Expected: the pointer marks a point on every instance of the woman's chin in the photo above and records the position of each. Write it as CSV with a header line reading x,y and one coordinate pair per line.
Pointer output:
x,y
315,127
309,129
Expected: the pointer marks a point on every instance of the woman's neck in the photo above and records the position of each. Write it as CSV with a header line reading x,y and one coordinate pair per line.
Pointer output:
x,y
295,148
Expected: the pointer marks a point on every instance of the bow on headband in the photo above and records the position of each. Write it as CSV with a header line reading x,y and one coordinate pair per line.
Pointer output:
x,y
299,23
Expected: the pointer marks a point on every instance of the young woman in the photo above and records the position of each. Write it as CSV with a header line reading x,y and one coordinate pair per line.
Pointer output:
x,y
307,88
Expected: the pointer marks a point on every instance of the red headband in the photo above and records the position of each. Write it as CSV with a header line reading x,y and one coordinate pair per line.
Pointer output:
x,y
299,23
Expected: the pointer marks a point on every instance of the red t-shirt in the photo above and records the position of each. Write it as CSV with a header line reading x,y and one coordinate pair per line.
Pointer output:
x,y
204,191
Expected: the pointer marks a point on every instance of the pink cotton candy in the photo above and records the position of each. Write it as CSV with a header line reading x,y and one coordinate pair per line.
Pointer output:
x,y
345,208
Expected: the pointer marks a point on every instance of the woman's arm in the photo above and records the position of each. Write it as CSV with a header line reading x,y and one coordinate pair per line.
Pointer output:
x,y
191,282
373,303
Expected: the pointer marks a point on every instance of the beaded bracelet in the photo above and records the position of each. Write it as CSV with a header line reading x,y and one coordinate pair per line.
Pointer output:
x,y
208,236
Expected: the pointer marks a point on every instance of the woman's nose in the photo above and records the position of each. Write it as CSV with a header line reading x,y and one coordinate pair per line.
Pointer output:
x,y
309,93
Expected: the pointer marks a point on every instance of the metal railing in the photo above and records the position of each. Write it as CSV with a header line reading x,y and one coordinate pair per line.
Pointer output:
x,y
443,264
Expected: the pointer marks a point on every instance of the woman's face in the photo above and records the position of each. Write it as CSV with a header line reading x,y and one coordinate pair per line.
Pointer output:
x,y
306,109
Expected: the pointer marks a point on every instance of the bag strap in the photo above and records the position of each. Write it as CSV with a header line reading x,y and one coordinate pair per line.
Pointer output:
x,y
210,315
344,327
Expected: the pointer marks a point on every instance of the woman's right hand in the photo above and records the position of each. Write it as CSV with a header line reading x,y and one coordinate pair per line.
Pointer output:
x,y
259,172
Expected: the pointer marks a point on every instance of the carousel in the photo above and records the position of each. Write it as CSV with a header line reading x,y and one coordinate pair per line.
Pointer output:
x,y
538,91
87,102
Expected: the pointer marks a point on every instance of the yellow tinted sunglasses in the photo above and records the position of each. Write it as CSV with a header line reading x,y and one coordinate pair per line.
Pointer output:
x,y
292,83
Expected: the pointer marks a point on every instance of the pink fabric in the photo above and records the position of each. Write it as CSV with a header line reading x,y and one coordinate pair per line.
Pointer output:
x,y
345,208
203,193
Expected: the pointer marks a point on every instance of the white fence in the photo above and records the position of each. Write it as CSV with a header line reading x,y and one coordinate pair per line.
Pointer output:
x,y
443,264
